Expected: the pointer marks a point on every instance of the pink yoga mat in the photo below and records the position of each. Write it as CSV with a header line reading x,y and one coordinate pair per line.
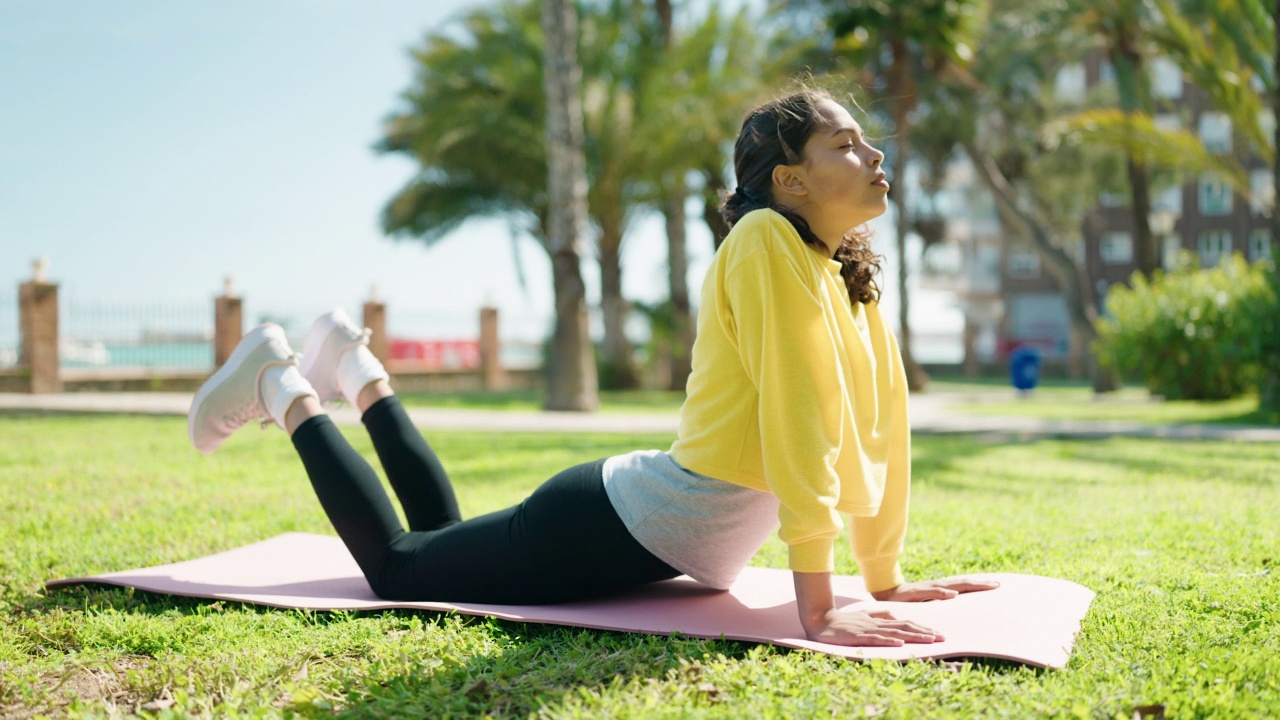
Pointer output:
x,y
1028,619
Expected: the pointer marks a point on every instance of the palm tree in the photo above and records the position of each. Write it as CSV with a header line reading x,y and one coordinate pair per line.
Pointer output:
x,y
476,123
610,59
1034,154
1231,51
697,84
899,50
572,377
1122,29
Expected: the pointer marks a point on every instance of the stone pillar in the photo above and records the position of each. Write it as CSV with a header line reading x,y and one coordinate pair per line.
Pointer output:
x,y
38,328
375,318
495,378
228,323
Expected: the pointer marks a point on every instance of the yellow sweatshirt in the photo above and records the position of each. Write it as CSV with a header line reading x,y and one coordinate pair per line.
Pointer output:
x,y
796,392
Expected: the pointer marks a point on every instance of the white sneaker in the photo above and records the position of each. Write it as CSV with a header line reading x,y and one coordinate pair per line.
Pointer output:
x,y
258,382
336,359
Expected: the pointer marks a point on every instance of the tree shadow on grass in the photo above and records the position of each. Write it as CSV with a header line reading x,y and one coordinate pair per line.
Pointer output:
x,y
1239,463
940,461
514,669
541,667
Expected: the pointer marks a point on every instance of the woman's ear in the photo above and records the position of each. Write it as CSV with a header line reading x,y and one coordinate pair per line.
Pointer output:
x,y
789,180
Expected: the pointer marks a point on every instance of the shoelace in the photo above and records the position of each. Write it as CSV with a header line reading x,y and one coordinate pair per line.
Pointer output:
x,y
365,334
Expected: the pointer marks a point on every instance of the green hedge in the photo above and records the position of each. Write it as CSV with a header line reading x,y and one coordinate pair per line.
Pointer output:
x,y
1192,334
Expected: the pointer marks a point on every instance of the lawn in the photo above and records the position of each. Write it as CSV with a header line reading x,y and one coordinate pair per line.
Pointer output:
x,y
1179,540
611,401
1075,400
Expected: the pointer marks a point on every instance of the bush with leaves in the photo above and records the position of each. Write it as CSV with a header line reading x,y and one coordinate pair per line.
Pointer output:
x,y
1192,334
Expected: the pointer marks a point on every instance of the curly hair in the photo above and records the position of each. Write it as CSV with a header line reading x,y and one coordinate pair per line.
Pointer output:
x,y
769,137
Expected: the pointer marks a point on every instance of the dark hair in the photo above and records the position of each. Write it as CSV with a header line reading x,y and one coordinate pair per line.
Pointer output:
x,y
775,134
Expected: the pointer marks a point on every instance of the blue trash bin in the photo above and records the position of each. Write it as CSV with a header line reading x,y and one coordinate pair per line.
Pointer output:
x,y
1024,368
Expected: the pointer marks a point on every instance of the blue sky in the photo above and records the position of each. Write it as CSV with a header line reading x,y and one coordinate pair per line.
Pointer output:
x,y
148,149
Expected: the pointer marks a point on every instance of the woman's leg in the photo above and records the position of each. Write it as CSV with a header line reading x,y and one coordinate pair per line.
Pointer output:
x,y
338,363
565,542
415,473
348,489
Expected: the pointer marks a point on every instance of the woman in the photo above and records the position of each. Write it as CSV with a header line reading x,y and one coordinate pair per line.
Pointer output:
x,y
796,412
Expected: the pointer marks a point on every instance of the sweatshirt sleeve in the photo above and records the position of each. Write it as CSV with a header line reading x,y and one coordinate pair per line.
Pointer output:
x,y
877,540
789,353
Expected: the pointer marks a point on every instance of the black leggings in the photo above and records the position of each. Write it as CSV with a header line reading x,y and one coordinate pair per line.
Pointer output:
x,y
564,542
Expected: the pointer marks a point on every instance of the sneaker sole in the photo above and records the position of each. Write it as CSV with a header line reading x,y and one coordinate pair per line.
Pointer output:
x,y
252,340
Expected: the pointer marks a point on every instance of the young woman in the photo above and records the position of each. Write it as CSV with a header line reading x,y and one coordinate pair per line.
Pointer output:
x,y
796,412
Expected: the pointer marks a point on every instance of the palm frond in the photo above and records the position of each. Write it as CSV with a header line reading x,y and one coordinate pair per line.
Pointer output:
x,y
1137,134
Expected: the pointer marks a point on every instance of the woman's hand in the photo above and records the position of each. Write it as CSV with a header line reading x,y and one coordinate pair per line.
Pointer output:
x,y
933,590
874,628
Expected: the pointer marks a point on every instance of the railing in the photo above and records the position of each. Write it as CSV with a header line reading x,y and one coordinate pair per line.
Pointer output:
x,y
117,335
8,332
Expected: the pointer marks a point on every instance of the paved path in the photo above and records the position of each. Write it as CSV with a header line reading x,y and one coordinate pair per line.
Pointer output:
x,y
930,414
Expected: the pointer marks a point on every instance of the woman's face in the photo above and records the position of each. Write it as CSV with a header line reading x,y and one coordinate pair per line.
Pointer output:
x,y
840,171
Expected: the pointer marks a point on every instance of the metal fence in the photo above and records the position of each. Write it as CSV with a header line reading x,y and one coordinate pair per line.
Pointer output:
x,y
178,336
121,335
8,332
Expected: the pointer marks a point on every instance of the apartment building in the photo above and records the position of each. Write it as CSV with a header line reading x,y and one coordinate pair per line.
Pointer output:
x,y
1202,215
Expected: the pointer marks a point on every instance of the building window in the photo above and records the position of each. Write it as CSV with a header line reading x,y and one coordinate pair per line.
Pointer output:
x,y
1112,199
1213,245
1215,132
1215,196
1170,249
1024,264
1262,191
1166,79
1115,248
1259,244
1069,84
1267,121
1106,73
1169,199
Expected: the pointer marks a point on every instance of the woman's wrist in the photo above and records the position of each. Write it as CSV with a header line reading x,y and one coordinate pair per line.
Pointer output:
x,y
886,593
814,598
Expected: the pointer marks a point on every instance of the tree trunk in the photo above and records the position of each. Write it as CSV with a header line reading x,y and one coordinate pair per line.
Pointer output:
x,y
571,372
1131,86
677,278
1269,387
681,349
617,362
712,190
1073,280
1145,244
900,72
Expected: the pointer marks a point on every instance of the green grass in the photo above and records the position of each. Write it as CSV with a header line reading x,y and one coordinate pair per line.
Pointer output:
x,y
1079,402
1178,539
611,401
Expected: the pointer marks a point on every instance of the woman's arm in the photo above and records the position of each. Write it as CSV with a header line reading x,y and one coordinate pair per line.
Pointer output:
x,y
822,622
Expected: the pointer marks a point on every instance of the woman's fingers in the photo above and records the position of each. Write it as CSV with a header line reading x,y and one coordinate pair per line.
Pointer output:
x,y
965,586
887,620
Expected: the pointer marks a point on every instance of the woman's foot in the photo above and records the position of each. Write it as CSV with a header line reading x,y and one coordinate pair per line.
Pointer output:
x,y
336,359
260,381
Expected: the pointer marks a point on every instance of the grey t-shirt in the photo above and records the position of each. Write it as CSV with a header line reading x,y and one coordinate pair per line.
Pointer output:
x,y
706,528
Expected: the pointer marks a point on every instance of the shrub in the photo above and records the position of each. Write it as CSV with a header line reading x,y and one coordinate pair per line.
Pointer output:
x,y
1191,334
